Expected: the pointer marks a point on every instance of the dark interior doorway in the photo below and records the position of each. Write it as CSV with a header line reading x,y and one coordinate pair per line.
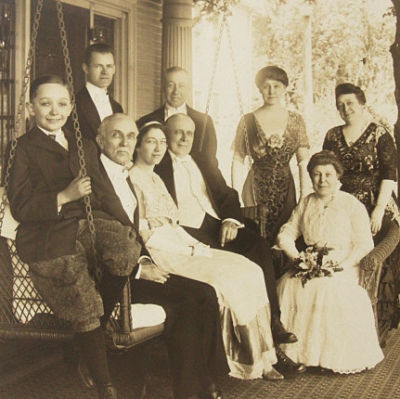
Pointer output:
x,y
48,56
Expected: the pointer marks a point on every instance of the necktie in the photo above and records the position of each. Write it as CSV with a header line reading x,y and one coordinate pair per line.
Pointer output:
x,y
52,136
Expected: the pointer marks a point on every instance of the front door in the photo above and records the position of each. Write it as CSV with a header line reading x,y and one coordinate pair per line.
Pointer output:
x,y
83,27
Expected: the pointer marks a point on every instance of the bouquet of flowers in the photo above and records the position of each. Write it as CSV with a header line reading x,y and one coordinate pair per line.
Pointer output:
x,y
311,264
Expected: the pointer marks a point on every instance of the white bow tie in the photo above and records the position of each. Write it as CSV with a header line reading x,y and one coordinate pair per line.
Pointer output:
x,y
182,160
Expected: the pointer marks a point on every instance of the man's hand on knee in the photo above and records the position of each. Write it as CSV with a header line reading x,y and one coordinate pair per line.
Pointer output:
x,y
229,231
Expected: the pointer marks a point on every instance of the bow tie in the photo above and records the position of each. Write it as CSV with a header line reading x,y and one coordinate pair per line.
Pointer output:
x,y
103,96
54,135
182,160
119,175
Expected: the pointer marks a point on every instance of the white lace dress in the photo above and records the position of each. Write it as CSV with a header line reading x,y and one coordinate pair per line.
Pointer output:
x,y
331,316
239,283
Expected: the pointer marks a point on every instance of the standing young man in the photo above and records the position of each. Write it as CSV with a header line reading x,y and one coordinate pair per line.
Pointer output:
x,y
93,102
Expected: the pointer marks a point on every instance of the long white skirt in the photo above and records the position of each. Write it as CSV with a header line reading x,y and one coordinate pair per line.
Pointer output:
x,y
333,320
244,306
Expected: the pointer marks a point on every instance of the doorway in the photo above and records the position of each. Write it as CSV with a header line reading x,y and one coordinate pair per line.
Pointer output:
x,y
80,32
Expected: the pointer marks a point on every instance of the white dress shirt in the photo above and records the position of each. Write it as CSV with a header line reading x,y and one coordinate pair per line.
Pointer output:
x,y
169,111
191,192
101,100
118,175
59,137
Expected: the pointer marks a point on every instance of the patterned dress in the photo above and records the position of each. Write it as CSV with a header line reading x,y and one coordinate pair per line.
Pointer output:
x,y
269,193
369,160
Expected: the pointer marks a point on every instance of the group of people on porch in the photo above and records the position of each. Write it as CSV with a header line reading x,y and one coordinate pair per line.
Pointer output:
x,y
223,260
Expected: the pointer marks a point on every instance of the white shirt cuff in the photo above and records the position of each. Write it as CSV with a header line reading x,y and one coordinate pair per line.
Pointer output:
x,y
140,260
238,224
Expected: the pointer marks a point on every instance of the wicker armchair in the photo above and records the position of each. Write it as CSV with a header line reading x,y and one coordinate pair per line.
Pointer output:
x,y
371,265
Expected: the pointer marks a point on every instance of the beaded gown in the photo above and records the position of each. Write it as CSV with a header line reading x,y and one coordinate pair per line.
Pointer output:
x,y
269,192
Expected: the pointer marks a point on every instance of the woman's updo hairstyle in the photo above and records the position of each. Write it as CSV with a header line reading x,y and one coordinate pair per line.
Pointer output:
x,y
325,157
349,88
143,131
146,128
271,72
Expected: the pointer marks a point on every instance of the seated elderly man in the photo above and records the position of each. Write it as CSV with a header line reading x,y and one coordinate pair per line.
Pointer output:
x,y
193,332
209,210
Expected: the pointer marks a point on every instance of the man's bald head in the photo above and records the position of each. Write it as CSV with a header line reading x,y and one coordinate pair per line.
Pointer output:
x,y
180,134
116,138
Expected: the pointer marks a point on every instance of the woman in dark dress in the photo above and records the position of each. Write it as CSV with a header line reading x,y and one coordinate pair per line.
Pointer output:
x,y
368,154
269,137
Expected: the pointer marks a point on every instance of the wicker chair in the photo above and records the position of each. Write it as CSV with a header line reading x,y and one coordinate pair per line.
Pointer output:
x,y
371,265
24,315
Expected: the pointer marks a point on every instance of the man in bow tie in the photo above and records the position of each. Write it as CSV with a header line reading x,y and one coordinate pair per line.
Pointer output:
x,y
209,210
93,102
176,86
193,336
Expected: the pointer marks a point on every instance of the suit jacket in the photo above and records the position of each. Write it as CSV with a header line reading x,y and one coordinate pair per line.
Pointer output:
x,y
89,119
206,145
224,199
41,169
113,206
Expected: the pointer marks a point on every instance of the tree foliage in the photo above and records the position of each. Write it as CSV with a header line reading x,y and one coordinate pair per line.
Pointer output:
x,y
350,42
215,7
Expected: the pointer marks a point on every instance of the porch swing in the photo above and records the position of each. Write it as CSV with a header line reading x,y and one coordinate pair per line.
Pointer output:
x,y
372,264
23,313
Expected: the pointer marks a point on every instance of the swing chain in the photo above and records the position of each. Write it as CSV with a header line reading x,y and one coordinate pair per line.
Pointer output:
x,y
213,74
235,71
20,110
78,135
239,96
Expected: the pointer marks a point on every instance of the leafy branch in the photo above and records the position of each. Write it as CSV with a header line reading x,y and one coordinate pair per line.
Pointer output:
x,y
216,7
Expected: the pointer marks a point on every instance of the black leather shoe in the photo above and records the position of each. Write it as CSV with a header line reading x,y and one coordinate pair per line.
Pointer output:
x,y
286,365
107,392
280,335
84,374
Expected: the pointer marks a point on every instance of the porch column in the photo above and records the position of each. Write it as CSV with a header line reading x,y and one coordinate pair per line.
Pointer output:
x,y
177,34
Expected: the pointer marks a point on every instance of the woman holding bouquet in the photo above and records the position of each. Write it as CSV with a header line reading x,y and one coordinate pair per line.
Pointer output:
x,y
332,317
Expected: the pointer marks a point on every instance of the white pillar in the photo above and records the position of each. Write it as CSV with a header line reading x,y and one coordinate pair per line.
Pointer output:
x,y
177,34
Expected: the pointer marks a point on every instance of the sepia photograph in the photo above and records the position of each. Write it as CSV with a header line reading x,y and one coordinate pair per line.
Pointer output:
x,y
199,199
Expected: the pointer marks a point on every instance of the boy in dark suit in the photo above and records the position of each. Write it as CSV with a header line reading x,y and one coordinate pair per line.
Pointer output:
x,y
46,194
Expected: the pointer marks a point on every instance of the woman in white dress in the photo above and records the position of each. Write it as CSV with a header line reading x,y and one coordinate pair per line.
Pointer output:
x,y
332,317
239,283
